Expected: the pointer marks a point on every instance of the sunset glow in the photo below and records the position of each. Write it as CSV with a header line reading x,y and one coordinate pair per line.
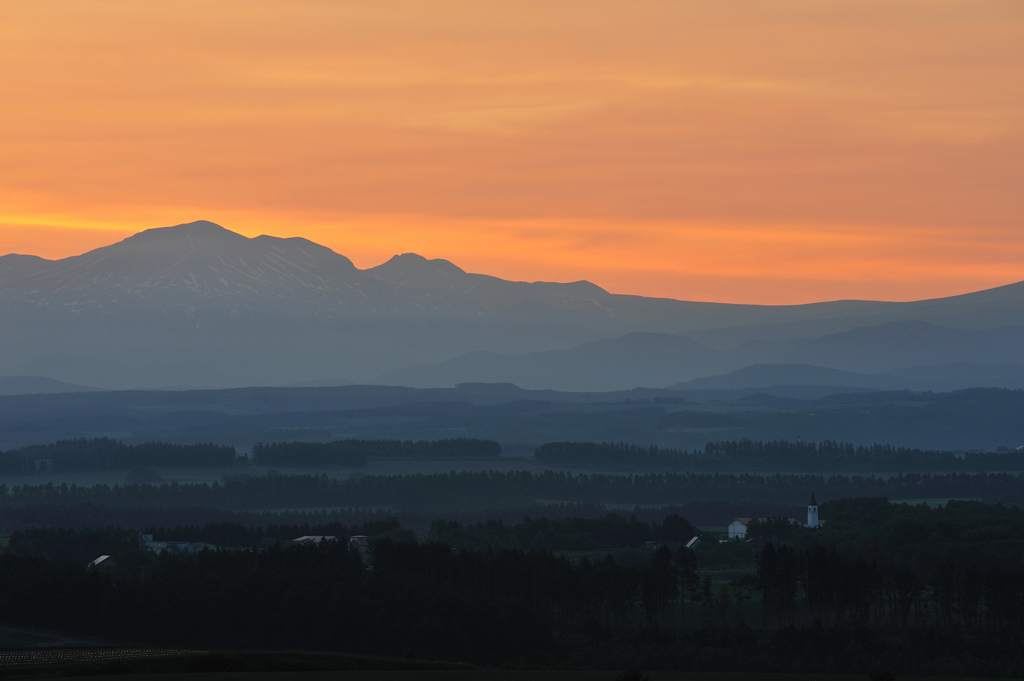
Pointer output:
x,y
742,152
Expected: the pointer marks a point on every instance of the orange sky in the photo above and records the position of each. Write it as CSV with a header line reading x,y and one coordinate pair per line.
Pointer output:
x,y
741,151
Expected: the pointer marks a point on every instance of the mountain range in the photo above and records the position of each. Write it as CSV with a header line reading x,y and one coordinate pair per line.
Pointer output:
x,y
197,305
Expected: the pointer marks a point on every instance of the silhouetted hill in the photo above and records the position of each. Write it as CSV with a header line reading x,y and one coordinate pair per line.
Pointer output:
x,y
629,361
860,358
895,345
199,306
938,378
958,375
770,375
14,268
36,385
198,264
518,419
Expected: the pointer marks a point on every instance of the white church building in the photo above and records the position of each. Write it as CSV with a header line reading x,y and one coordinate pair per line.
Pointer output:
x,y
738,526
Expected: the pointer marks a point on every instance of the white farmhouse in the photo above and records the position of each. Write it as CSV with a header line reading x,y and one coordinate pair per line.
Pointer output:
x,y
738,528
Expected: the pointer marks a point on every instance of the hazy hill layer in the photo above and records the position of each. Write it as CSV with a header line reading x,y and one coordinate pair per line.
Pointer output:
x,y
629,361
516,418
38,385
199,306
893,356
771,375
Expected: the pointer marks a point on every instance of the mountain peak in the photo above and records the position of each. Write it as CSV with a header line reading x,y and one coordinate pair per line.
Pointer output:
x,y
14,266
199,226
191,231
411,268
411,262
198,262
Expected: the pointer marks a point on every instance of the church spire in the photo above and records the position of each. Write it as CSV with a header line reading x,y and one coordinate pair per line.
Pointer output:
x,y
812,512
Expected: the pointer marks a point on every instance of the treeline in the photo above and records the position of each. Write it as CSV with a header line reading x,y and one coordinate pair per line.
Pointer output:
x,y
562,534
875,530
780,455
876,457
611,531
105,453
613,454
354,453
960,533
73,546
93,454
78,547
821,588
806,608
327,520
468,491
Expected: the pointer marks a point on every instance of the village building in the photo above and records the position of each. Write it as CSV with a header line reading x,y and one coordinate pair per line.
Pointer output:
x,y
738,526
179,546
812,512
314,538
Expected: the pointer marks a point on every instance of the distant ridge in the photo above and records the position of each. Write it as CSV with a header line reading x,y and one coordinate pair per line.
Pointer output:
x,y
629,361
13,267
197,305
38,385
770,375
410,268
894,356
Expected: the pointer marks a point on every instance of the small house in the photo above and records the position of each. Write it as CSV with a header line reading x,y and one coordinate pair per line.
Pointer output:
x,y
179,546
738,527
359,542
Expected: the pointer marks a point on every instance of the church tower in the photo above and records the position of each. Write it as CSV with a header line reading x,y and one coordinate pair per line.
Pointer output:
x,y
812,512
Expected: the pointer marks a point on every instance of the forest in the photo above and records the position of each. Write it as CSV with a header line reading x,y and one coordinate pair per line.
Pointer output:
x,y
914,573
469,490
355,453
780,455
874,589
92,454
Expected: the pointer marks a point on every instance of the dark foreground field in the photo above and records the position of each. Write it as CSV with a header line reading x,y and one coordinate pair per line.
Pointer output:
x,y
482,675
227,666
